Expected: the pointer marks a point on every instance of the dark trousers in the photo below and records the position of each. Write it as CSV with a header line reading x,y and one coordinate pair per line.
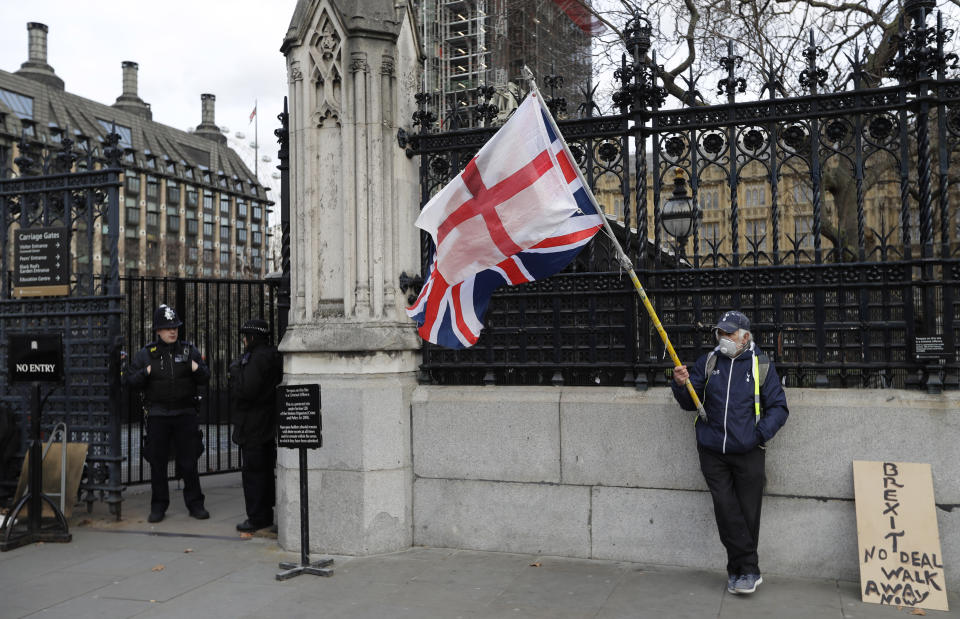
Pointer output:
x,y
736,484
259,486
181,433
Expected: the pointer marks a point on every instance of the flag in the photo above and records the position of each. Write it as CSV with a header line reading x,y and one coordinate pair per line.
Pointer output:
x,y
582,16
452,315
509,197
253,113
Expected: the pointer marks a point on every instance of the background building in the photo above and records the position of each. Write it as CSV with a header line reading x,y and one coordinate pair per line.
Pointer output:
x,y
472,43
189,204
755,197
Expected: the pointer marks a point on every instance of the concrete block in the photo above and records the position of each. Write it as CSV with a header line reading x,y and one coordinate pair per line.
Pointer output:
x,y
351,513
678,528
798,537
622,437
828,429
487,433
366,424
948,523
665,527
809,537
509,517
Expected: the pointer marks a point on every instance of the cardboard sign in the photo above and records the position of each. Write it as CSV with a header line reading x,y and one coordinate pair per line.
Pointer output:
x,y
41,262
299,419
898,540
35,358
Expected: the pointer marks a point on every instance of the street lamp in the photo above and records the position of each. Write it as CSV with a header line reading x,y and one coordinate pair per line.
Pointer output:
x,y
679,213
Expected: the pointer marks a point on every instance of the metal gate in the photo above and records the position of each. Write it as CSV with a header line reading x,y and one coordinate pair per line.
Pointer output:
x,y
212,312
72,185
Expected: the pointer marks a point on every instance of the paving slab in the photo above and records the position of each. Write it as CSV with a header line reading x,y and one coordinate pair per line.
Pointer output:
x,y
52,589
225,599
645,592
794,598
174,579
92,606
107,572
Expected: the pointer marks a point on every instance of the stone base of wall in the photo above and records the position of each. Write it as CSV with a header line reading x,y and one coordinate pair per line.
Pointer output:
x,y
611,473
360,481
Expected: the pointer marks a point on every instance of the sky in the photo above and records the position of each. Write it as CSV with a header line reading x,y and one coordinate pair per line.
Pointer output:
x,y
230,48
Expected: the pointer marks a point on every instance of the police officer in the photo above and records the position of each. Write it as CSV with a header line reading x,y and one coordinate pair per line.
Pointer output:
x,y
168,371
253,381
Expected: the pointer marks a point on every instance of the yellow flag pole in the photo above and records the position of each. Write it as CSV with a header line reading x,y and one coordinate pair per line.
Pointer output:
x,y
661,331
628,266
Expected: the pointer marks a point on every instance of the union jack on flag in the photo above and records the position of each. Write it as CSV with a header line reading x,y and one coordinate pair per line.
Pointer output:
x,y
451,314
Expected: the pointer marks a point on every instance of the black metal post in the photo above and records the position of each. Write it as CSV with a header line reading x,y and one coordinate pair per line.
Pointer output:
x,y
115,467
283,294
304,511
317,568
35,479
16,535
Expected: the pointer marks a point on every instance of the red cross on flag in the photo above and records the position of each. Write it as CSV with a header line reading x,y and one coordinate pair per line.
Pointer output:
x,y
511,196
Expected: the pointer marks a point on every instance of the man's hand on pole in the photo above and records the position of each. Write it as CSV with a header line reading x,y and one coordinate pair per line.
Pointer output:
x,y
681,375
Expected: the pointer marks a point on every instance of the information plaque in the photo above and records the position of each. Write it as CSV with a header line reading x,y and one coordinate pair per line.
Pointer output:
x,y
929,348
41,262
299,423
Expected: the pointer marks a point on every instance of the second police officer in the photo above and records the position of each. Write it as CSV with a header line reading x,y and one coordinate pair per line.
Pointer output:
x,y
169,371
253,381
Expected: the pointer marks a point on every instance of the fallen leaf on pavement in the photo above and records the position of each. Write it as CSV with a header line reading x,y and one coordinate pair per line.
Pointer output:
x,y
157,568
188,550
918,611
537,564
245,535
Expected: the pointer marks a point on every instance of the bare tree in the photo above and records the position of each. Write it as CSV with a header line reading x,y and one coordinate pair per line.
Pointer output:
x,y
771,37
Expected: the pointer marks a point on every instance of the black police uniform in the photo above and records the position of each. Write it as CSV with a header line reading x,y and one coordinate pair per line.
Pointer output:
x,y
253,380
170,407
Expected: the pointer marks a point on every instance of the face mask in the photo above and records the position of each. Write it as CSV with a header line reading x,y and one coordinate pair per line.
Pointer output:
x,y
728,347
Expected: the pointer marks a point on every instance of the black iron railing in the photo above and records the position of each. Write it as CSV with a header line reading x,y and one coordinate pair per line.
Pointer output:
x,y
830,218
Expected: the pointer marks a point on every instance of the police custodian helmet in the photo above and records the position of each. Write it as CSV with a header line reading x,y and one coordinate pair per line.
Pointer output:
x,y
255,326
165,318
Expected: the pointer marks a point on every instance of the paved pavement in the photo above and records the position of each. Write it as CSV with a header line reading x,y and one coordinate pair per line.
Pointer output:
x,y
187,568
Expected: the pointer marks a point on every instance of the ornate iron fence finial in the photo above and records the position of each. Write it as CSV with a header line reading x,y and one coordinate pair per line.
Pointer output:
x,y
554,103
731,84
813,76
637,36
485,110
111,149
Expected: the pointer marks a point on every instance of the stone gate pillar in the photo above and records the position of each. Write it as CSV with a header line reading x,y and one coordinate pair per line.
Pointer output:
x,y
353,67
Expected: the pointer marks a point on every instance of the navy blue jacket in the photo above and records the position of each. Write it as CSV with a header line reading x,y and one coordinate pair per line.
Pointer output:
x,y
731,425
171,386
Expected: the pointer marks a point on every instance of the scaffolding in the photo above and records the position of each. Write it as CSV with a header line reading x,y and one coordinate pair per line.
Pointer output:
x,y
469,44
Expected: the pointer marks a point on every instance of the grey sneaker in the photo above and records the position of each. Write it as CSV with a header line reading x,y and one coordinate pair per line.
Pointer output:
x,y
731,583
747,583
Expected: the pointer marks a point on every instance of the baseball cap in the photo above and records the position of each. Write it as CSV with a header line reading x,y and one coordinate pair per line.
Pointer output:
x,y
733,320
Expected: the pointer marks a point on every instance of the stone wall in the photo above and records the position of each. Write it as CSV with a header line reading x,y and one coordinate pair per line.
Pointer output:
x,y
611,473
